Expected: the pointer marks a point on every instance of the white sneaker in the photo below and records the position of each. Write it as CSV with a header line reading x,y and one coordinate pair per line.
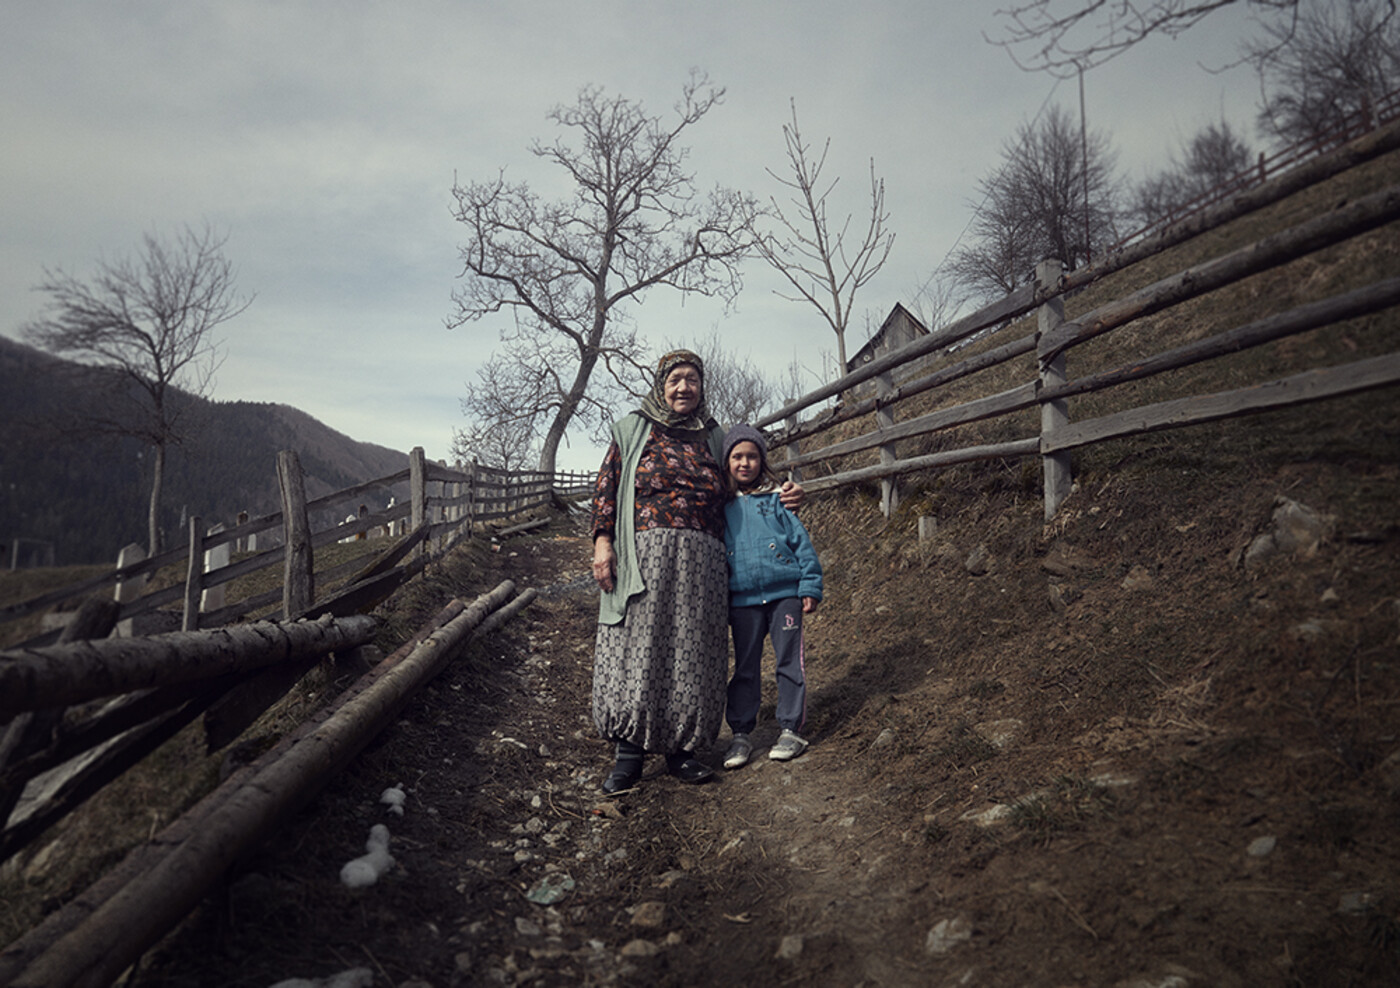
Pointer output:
x,y
789,746
739,750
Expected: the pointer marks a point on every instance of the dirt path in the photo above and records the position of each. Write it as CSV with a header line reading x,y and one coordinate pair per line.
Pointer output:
x,y
1012,822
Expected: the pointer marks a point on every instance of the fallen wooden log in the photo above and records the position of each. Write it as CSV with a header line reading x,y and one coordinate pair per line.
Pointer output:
x,y
142,858
59,675
522,527
34,730
102,932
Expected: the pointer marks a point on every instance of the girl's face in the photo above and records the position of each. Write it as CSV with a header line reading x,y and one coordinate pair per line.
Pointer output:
x,y
745,463
682,389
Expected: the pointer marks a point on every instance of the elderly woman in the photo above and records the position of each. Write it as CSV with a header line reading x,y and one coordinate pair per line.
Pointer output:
x,y
661,659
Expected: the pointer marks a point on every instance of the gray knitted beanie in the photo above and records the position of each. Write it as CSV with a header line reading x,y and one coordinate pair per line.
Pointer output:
x,y
744,433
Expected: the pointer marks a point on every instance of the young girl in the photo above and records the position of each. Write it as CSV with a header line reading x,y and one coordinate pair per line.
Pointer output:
x,y
774,578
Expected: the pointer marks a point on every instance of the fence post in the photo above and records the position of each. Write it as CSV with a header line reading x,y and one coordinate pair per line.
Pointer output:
x,y
298,577
216,558
128,590
794,448
884,419
1053,414
471,496
194,577
418,493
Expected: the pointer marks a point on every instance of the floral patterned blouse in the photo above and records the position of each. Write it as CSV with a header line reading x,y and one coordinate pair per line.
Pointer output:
x,y
678,485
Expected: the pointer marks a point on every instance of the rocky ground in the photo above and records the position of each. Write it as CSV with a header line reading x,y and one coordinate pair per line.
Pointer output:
x,y
1141,748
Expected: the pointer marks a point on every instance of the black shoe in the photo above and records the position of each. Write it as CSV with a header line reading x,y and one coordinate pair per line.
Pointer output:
x,y
685,768
622,778
627,769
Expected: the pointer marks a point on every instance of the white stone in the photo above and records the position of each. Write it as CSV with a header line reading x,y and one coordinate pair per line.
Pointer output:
x,y
1262,847
215,558
1138,578
947,934
790,948
1354,902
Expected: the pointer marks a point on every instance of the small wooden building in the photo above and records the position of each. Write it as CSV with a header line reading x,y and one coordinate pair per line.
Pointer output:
x,y
900,327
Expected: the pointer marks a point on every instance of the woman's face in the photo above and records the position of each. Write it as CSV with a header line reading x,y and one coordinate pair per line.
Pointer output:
x,y
682,389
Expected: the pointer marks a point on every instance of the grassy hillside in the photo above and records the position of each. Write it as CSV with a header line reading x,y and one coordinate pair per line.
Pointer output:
x,y
88,496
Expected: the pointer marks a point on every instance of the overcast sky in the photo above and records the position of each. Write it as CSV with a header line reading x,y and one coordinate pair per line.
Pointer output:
x,y
323,137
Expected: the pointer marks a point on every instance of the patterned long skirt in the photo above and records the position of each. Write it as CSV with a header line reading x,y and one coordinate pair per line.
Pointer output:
x,y
659,675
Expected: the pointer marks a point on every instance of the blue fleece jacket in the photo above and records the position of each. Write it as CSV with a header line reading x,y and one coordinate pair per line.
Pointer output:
x,y
770,553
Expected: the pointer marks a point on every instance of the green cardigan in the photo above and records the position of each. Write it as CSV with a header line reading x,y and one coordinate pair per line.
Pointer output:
x,y
630,433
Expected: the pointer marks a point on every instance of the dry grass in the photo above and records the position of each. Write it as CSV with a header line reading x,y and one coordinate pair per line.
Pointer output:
x,y
1363,260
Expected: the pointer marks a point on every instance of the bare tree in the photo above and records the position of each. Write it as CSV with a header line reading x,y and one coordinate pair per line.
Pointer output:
x,y
812,254
937,300
1077,36
150,319
1212,157
1053,195
1331,63
505,442
567,270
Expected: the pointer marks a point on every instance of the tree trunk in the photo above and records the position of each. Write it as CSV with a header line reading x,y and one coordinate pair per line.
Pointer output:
x,y
550,450
153,516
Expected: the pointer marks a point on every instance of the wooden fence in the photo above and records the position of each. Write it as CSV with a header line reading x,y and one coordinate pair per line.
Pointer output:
x,y
900,375
1384,111
442,505
79,706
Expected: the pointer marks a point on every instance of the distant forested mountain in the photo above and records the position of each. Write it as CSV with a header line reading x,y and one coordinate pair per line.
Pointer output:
x,y
87,495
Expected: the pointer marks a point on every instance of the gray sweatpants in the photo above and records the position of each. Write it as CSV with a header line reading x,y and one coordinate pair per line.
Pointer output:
x,y
781,621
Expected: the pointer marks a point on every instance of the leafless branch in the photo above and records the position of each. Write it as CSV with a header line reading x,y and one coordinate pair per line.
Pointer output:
x,y
814,258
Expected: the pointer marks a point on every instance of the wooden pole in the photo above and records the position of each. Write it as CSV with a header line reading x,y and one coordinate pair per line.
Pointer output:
x,y
194,576
418,493
33,730
298,575
472,495
794,450
1054,414
59,675
884,419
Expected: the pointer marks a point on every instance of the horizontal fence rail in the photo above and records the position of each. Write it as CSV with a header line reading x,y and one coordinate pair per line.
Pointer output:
x,y
1385,110
434,506
903,373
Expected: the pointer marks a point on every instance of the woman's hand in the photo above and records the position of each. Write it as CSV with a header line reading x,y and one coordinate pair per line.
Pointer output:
x,y
809,604
791,494
604,562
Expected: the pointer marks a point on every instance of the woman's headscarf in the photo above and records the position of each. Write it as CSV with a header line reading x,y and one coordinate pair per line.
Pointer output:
x,y
654,405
